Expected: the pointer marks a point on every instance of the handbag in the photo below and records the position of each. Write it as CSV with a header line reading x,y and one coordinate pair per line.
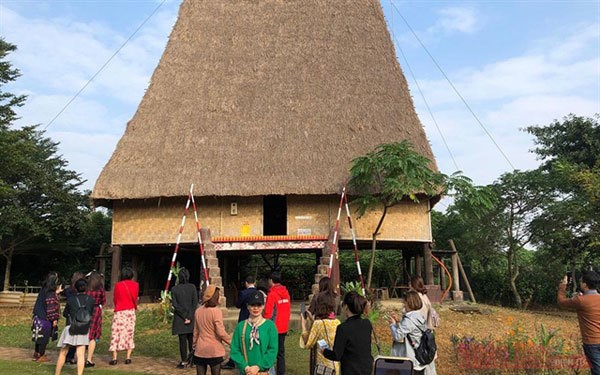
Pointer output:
x,y
321,369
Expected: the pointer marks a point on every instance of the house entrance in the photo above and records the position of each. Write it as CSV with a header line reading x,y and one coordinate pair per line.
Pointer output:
x,y
274,215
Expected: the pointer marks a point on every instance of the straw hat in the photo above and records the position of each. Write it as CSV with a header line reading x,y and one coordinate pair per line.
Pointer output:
x,y
209,293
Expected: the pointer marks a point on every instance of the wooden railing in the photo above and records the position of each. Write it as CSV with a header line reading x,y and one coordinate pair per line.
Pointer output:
x,y
24,288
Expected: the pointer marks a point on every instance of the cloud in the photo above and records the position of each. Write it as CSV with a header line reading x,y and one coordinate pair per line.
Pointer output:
x,y
86,153
451,21
78,50
534,88
455,19
53,72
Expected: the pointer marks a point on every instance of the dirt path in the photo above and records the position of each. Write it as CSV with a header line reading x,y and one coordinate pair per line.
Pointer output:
x,y
148,365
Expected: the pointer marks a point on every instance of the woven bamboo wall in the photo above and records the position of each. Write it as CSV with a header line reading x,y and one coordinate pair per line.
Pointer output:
x,y
155,221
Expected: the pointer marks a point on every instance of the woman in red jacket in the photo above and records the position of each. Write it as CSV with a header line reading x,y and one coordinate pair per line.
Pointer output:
x,y
123,325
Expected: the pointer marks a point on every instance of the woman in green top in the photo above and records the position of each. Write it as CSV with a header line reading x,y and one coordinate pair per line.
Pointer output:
x,y
254,342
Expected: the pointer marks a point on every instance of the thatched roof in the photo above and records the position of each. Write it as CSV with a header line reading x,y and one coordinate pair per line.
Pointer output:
x,y
264,97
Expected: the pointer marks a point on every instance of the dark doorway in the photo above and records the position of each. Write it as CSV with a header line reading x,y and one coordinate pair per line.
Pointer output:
x,y
274,215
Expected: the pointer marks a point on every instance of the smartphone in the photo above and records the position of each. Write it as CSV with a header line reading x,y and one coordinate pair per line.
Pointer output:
x,y
392,366
303,310
322,344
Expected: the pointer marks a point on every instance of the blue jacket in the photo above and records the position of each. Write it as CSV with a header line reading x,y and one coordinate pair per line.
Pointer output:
x,y
242,303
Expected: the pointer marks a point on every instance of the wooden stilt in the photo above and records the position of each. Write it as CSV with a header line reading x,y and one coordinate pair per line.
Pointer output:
x,y
115,268
462,272
428,264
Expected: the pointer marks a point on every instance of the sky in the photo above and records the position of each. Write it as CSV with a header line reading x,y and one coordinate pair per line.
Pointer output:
x,y
515,63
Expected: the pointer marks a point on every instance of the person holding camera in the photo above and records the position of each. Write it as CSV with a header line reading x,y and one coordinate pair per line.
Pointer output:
x,y
587,305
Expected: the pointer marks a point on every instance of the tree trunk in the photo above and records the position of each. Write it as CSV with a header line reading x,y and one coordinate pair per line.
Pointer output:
x,y
8,256
370,274
513,273
374,246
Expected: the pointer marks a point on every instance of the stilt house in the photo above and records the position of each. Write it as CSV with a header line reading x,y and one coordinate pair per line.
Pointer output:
x,y
261,105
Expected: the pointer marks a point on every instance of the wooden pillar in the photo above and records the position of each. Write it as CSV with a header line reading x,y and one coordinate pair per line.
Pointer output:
x,y
428,264
318,256
457,294
102,259
115,269
405,268
149,267
455,274
135,265
418,265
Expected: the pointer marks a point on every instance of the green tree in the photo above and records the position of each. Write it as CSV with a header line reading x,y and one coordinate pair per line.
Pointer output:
x,y
39,196
570,154
395,172
521,198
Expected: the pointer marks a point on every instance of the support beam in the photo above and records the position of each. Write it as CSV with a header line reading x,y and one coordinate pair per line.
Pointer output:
x,y
462,272
455,274
115,268
428,264
419,265
102,259
405,268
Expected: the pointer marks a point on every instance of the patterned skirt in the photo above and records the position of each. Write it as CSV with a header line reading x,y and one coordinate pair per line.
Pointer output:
x,y
96,326
122,330
41,330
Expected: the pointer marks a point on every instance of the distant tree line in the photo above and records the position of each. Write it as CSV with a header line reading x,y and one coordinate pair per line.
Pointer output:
x,y
46,221
543,222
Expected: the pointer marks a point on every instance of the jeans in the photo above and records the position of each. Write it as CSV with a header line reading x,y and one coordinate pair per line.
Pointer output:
x,y
281,354
592,352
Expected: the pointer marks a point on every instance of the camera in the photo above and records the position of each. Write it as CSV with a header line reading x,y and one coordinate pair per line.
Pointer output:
x,y
569,277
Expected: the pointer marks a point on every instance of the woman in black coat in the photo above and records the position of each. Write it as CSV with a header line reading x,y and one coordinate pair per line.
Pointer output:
x,y
352,344
184,298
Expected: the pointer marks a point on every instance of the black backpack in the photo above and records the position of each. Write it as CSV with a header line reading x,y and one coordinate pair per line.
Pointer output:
x,y
80,323
425,352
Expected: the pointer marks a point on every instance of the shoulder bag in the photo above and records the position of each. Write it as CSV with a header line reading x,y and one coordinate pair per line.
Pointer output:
x,y
321,369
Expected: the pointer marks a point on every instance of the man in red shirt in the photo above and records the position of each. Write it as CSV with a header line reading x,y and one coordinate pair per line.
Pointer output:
x,y
278,308
587,305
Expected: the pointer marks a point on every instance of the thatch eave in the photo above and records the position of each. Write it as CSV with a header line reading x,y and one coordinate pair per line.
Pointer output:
x,y
264,97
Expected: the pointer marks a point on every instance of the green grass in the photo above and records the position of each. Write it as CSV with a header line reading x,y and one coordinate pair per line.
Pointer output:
x,y
26,368
153,338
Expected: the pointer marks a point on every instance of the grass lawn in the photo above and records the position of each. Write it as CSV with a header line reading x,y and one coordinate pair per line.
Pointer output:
x,y
25,368
153,338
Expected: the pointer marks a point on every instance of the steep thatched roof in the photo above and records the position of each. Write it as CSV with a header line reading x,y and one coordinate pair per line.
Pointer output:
x,y
256,97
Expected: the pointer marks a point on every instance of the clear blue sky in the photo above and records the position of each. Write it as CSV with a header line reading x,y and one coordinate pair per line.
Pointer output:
x,y
517,63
